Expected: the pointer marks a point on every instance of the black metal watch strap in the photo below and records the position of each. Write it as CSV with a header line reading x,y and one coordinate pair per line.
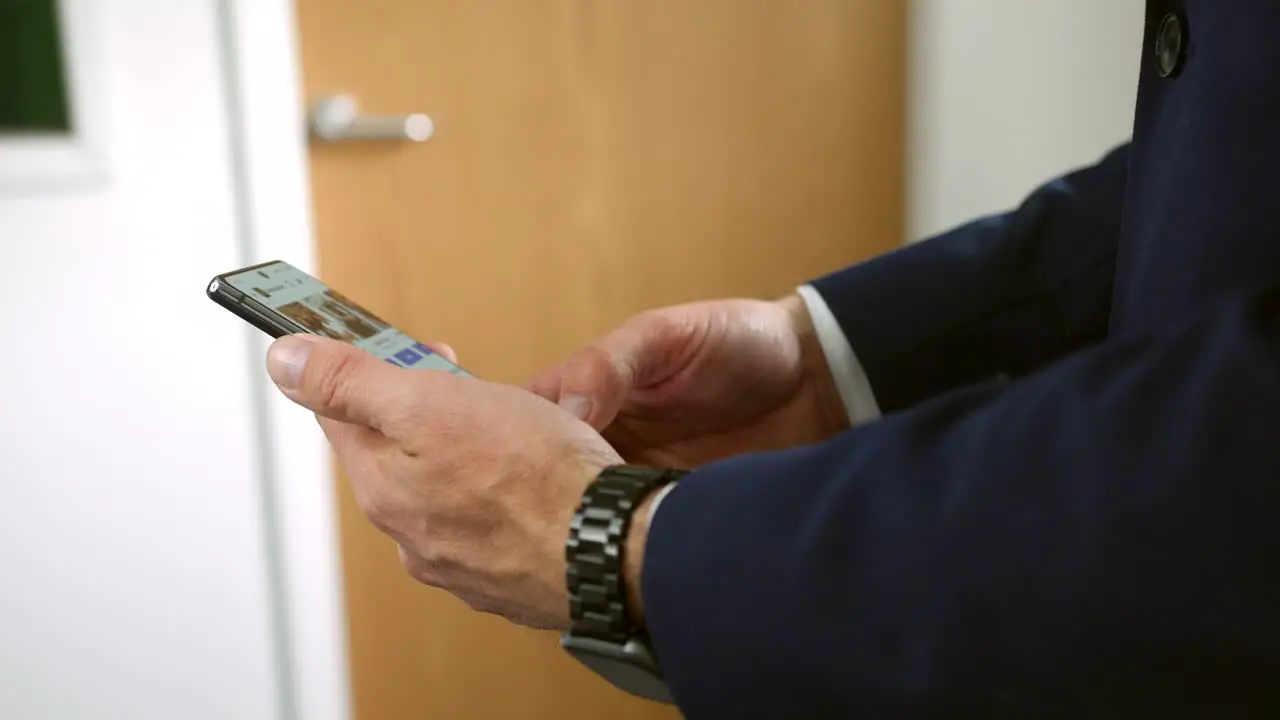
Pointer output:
x,y
597,546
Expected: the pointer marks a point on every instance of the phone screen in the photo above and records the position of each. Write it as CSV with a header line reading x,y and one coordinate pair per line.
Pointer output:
x,y
317,308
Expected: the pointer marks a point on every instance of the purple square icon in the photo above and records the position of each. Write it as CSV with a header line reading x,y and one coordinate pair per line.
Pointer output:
x,y
408,356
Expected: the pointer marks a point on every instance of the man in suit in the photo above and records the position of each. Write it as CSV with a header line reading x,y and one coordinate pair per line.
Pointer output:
x,y
1029,466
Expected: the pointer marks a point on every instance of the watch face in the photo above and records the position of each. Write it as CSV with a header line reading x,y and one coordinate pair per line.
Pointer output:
x,y
628,667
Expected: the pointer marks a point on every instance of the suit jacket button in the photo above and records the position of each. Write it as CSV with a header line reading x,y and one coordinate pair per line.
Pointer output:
x,y
1171,45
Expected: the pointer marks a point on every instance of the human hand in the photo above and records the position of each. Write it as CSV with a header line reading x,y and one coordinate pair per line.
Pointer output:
x,y
685,385
476,481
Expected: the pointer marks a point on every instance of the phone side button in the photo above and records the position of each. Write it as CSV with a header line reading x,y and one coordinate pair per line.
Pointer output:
x,y
218,287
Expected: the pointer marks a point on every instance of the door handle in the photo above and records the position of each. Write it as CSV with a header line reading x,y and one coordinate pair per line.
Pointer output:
x,y
337,118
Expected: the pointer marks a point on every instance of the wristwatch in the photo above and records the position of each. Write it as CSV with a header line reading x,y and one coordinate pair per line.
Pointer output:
x,y
602,635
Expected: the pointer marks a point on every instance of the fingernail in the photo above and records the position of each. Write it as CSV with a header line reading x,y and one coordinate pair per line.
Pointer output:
x,y
286,358
579,405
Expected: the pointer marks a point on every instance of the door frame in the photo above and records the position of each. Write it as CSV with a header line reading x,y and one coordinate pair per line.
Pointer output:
x,y
268,143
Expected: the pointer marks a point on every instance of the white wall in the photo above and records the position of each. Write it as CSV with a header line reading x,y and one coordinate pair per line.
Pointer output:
x,y
144,569
1005,94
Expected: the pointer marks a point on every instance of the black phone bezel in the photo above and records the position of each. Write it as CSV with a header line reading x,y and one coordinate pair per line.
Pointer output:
x,y
259,315
249,309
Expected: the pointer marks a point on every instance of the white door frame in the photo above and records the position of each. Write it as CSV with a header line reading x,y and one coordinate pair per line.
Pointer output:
x,y
268,140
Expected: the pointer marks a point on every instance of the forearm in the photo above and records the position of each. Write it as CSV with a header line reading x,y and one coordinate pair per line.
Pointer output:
x,y
1101,535
1002,296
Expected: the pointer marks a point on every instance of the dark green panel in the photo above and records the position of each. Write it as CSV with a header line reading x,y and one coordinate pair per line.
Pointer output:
x,y
33,85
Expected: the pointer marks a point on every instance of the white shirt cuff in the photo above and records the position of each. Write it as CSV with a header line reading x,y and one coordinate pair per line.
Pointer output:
x,y
851,380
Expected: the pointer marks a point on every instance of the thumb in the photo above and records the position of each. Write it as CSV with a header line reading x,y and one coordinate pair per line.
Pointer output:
x,y
334,379
443,350
591,385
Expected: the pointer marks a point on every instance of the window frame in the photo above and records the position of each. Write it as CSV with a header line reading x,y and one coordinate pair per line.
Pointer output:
x,y
58,161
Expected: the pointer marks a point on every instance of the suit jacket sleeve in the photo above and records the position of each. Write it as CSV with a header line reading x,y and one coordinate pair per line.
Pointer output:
x,y
1098,536
999,296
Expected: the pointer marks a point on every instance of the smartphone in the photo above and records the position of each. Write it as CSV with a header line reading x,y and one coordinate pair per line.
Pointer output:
x,y
279,299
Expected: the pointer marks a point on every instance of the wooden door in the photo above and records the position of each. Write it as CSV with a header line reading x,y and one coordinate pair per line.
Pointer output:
x,y
592,158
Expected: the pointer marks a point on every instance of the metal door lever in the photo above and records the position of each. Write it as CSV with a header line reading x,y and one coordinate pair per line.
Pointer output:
x,y
338,118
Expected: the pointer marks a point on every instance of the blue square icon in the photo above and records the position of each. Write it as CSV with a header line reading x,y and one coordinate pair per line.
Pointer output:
x,y
408,356
426,351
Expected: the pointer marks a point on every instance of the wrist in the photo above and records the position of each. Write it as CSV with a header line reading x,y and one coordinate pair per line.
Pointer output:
x,y
606,550
819,381
608,532
633,558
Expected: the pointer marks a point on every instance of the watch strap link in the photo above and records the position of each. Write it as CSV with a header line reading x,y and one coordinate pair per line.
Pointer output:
x,y
596,547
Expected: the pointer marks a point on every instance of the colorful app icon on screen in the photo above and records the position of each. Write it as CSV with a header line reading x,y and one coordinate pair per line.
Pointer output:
x,y
408,356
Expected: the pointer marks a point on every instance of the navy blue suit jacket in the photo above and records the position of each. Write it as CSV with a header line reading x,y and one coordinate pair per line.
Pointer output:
x,y
1098,533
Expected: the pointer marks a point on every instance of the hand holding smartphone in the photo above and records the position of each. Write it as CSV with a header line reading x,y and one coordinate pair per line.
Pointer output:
x,y
279,299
